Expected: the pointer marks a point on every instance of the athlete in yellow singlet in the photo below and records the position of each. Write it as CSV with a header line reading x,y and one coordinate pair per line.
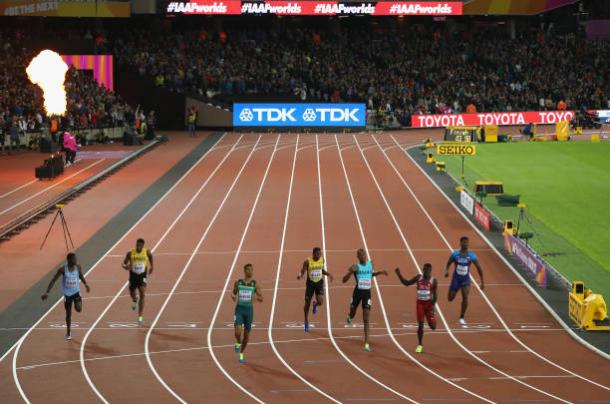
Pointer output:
x,y
314,267
139,263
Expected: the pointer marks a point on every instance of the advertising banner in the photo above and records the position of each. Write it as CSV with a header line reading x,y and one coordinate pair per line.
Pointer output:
x,y
315,7
65,8
531,261
467,201
481,216
490,118
299,115
101,65
456,149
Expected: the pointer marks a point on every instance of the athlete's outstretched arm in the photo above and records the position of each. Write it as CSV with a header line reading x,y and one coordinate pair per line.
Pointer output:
x,y
406,282
349,273
59,273
234,293
304,269
480,271
326,273
127,261
150,259
82,278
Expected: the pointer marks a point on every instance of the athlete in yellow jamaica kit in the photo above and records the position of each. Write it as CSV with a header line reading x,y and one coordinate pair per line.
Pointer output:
x,y
139,263
314,266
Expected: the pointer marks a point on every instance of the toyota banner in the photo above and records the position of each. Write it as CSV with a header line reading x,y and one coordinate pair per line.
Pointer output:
x,y
299,115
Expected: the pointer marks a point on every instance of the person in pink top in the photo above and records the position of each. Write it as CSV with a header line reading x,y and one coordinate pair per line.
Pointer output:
x,y
70,147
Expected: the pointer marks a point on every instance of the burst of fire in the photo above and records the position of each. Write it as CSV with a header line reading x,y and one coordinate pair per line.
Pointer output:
x,y
48,71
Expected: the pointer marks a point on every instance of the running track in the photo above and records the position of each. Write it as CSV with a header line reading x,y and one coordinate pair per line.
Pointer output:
x,y
268,200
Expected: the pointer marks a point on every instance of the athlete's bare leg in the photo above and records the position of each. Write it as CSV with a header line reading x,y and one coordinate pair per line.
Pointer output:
x,y
465,293
365,317
142,292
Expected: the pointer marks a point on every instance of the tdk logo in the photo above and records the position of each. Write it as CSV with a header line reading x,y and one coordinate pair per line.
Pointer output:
x,y
274,114
299,115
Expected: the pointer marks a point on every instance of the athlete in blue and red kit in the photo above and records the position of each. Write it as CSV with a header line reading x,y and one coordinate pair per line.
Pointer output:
x,y
462,259
426,299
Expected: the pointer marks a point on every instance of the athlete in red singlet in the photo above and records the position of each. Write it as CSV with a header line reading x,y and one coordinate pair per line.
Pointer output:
x,y
426,299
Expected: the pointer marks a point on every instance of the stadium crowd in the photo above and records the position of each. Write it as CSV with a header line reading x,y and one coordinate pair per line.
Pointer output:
x,y
417,70
21,104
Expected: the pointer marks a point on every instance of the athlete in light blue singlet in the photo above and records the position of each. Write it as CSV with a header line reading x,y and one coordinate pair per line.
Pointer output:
x,y
462,259
72,276
363,272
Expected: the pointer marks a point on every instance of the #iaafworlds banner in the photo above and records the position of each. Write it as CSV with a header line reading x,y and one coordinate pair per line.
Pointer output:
x,y
299,115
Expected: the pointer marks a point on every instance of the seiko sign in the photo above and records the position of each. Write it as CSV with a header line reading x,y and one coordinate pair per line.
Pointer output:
x,y
300,115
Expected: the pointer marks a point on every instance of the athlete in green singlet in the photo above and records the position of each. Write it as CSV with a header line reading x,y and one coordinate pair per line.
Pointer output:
x,y
243,292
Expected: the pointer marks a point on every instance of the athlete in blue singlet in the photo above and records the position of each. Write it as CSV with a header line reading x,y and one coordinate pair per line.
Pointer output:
x,y
363,273
462,259
72,277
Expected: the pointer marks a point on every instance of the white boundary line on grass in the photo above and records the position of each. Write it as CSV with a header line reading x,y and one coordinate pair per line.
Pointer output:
x,y
227,280
277,281
327,293
17,345
508,264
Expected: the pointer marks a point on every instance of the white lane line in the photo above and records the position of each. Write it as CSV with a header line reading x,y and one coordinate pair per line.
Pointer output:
x,y
118,294
17,189
288,341
418,266
327,293
186,267
377,289
230,273
17,345
29,198
489,303
277,282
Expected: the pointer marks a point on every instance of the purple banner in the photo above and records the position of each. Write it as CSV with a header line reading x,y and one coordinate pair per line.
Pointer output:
x,y
598,29
531,261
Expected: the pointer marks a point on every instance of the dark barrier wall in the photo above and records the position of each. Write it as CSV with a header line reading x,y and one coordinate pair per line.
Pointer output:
x,y
210,116
136,90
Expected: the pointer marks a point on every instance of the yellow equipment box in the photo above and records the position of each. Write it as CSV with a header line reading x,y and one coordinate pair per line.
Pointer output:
x,y
490,133
587,309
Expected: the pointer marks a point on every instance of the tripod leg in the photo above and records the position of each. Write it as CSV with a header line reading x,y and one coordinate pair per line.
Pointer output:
x,y
66,230
50,227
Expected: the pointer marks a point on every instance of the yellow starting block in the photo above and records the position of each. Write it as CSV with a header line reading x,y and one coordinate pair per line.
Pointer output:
x,y
587,309
595,138
440,166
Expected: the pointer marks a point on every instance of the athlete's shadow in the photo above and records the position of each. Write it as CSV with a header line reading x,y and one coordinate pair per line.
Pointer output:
x,y
268,371
93,348
169,336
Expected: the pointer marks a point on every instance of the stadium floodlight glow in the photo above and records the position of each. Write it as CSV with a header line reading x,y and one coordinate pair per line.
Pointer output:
x,y
48,71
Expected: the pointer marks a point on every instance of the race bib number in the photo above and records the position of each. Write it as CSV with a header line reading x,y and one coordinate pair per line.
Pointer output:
x,y
462,270
139,268
423,294
71,283
316,275
245,296
364,283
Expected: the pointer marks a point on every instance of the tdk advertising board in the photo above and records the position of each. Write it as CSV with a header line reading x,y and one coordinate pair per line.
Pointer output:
x,y
299,115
